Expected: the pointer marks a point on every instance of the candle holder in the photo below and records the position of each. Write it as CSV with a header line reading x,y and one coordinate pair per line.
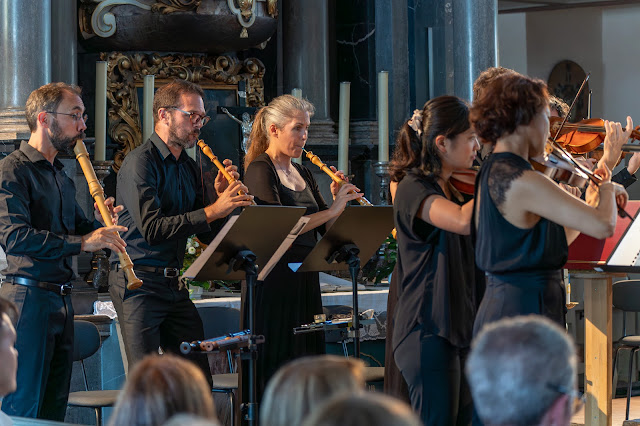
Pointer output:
x,y
381,170
98,276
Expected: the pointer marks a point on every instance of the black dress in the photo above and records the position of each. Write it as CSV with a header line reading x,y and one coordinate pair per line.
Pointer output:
x,y
285,299
436,306
523,266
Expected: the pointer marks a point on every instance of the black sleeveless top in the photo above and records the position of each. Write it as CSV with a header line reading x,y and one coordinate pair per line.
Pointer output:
x,y
503,248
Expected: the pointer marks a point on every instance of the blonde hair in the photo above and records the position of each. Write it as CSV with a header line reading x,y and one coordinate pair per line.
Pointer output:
x,y
159,387
371,409
303,384
280,111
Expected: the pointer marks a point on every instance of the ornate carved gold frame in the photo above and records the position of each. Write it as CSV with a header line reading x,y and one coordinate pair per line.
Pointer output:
x,y
126,71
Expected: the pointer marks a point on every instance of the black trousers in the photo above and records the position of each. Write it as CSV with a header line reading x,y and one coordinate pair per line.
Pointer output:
x,y
434,371
45,353
158,314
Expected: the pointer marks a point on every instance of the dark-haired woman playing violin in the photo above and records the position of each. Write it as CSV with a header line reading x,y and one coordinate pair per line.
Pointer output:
x,y
523,220
437,290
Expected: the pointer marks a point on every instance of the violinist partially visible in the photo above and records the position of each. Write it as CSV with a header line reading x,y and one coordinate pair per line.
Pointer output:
x,y
523,220
437,290
612,150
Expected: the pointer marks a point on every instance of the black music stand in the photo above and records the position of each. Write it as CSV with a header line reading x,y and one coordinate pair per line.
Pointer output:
x,y
352,239
258,236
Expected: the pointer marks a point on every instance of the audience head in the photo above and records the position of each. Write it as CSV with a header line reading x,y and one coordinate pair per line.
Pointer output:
x,y
371,409
522,371
416,146
275,117
159,387
8,352
509,101
191,420
486,77
303,384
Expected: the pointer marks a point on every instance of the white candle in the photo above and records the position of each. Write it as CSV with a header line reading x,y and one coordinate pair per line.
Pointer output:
x,y
147,106
100,147
298,94
343,127
383,116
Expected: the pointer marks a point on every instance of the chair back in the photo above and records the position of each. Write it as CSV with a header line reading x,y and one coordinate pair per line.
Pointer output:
x,y
218,320
86,340
626,295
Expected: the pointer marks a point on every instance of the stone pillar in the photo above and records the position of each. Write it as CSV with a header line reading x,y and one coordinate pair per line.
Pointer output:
x,y
25,49
307,53
475,42
392,54
64,30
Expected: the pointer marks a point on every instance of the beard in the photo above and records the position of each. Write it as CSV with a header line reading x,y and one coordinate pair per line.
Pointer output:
x,y
61,143
184,140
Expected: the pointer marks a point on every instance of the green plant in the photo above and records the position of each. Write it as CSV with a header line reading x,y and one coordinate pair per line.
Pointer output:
x,y
192,251
380,266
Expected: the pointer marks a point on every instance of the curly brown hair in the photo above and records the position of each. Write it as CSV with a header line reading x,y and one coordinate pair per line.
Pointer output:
x,y
509,101
486,77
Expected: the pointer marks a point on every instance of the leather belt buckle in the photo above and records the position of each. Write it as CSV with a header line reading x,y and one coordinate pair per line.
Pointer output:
x,y
171,272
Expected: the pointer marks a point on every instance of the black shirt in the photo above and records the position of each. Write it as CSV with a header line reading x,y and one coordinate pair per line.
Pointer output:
x,y
264,184
164,200
41,223
437,286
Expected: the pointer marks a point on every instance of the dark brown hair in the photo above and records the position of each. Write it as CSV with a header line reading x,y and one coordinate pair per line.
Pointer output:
x,y
159,387
406,154
509,101
445,115
169,95
46,98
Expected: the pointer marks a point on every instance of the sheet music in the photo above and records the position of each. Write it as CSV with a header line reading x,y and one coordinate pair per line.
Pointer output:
x,y
286,243
628,251
201,260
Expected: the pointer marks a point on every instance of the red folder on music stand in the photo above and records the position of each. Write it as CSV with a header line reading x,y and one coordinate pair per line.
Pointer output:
x,y
590,253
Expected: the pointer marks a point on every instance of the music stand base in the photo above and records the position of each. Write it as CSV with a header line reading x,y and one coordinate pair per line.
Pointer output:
x,y
246,260
348,254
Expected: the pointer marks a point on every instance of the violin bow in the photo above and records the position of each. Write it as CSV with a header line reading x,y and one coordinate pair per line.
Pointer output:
x,y
567,157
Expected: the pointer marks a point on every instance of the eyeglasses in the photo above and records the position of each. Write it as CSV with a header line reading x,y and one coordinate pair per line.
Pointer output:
x,y
193,116
577,398
75,116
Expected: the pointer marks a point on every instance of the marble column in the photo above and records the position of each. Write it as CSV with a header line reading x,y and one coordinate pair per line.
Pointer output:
x,y
392,55
64,30
25,49
306,48
474,42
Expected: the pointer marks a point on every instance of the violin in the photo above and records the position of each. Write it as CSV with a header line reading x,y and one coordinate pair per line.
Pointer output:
x,y
557,166
581,137
464,180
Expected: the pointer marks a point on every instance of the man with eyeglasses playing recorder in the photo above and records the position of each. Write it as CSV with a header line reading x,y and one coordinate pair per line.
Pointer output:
x,y
160,187
41,228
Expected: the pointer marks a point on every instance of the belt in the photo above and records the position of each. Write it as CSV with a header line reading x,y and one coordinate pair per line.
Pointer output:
x,y
61,289
167,272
